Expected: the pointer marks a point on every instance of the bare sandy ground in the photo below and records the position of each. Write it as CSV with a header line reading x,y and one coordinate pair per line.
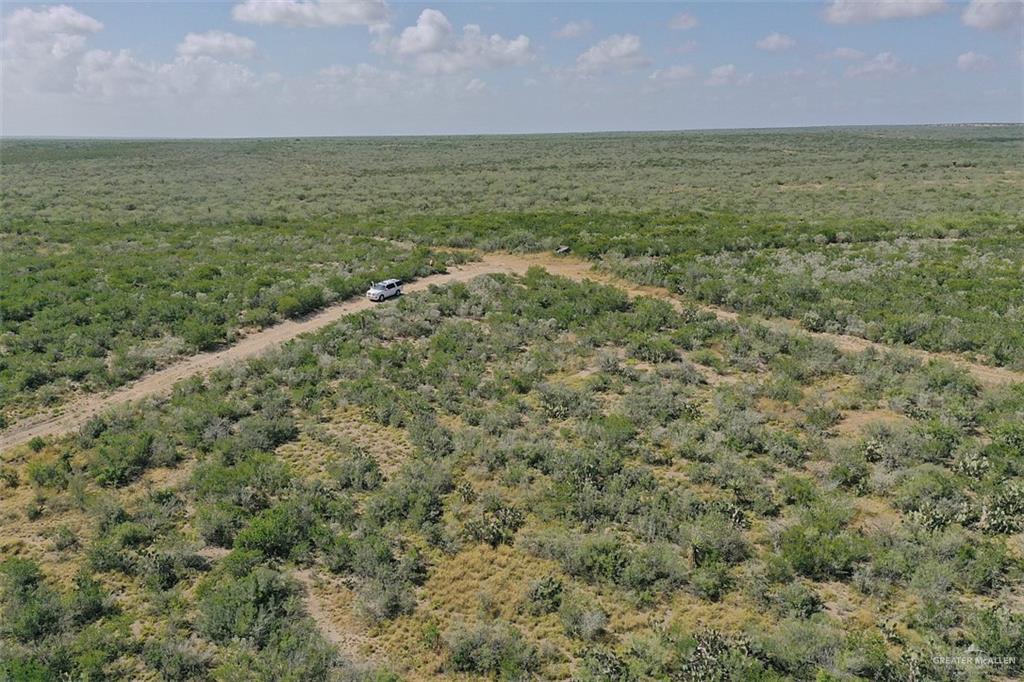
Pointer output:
x,y
72,415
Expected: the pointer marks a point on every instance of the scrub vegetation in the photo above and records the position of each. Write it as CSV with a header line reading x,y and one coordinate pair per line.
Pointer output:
x,y
87,308
902,235
518,477
598,488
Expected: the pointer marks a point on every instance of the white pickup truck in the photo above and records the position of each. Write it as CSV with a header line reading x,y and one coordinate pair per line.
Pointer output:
x,y
380,291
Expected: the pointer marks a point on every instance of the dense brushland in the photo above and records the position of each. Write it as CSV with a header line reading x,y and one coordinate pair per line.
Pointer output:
x,y
919,174
89,308
531,478
518,477
900,235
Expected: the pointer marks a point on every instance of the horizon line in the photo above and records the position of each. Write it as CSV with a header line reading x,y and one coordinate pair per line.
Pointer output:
x,y
987,124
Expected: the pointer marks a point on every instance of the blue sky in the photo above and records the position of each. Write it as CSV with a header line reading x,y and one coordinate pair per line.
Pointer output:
x,y
367,67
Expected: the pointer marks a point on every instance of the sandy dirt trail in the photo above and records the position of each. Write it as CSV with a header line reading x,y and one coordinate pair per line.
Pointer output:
x,y
72,415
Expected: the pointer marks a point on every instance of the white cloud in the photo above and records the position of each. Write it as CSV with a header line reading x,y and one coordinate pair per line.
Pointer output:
x,y
476,50
993,14
684,48
431,33
217,44
867,11
361,82
774,42
673,73
476,85
973,61
882,64
57,22
683,22
574,29
45,50
614,53
41,47
795,75
117,75
670,77
312,13
720,75
726,75
435,48
846,53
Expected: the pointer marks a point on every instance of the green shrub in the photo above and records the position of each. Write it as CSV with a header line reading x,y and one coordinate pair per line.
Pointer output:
x,y
280,531
798,490
9,477
293,653
20,577
582,618
118,547
52,474
356,471
89,600
121,458
23,669
382,599
795,600
786,448
851,471
711,580
252,606
35,508
262,433
819,546
710,655
64,539
203,335
250,483
414,495
31,609
931,495
300,301
653,571
999,633
497,525
600,664
429,437
651,348
495,650
865,654
800,648
176,659
544,596
219,523
561,402
716,539
596,558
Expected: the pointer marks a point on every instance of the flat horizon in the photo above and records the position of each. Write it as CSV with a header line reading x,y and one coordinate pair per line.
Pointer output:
x,y
980,124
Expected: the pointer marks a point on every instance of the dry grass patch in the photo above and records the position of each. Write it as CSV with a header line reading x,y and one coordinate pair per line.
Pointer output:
x,y
66,513
846,604
734,614
874,514
854,422
343,430
477,584
390,446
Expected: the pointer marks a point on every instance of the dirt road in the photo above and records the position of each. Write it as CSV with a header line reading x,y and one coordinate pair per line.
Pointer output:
x,y
77,412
